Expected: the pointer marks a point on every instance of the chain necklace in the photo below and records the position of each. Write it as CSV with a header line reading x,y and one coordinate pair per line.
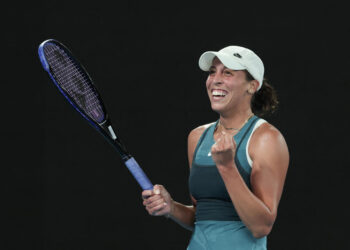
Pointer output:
x,y
236,129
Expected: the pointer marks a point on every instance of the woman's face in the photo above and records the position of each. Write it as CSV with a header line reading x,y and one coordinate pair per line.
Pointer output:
x,y
227,88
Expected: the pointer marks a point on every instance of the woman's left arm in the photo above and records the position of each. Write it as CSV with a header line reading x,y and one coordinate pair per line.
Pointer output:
x,y
268,150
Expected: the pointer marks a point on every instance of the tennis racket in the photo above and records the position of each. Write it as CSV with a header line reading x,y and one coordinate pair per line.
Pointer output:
x,y
75,84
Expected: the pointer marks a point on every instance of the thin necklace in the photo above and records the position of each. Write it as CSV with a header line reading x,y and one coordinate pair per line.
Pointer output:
x,y
237,129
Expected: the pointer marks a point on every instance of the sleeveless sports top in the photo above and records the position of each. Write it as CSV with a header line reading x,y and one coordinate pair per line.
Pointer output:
x,y
205,182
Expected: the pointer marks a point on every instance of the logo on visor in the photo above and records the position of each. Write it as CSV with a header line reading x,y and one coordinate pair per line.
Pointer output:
x,y
237,55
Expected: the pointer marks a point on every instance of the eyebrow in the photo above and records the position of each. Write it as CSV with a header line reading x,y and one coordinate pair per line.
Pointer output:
x,y
213,67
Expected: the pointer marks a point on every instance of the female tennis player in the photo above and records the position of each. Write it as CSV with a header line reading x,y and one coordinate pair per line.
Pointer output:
x,y
238,163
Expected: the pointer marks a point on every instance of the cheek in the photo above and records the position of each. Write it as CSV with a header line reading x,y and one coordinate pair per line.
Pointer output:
x,y
207,83
235,86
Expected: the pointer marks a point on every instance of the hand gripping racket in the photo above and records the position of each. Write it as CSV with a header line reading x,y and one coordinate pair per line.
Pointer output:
x,y
77,87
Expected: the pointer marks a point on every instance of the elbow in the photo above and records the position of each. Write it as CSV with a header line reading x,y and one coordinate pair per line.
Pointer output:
x,y
263,228
261,231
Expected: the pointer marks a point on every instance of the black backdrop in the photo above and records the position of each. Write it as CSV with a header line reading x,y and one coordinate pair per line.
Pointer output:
x,y
65,187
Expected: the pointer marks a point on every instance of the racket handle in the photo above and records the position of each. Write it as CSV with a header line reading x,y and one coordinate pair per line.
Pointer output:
x,y
138,174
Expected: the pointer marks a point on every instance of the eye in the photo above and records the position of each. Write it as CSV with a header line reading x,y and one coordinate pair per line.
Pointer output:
x,y
228,72
211,71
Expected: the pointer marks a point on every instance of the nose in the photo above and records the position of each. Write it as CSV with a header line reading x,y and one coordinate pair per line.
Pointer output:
x,y
217,80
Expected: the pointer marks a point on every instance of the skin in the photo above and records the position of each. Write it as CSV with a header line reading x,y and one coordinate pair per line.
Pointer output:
x,y
257,207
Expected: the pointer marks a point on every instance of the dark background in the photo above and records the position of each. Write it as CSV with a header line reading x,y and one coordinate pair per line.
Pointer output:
x,y
66,188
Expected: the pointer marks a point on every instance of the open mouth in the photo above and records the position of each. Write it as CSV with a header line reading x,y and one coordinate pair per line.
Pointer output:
x,y
218,93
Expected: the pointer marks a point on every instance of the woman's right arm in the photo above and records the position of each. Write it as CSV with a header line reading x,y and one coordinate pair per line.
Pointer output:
x,y
158,201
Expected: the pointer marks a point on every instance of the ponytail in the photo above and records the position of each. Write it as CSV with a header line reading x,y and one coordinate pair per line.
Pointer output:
x,y
264,101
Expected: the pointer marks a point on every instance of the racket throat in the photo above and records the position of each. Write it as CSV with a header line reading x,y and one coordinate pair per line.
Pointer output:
x,y
111,132
107,127
114,140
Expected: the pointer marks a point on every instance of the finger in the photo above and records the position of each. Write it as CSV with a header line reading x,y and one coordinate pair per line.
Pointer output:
x,y
221,143
155,204
233,142
218,145
153,198
162,191
219,139
157,210
227,141
214,149
156,189
223,140
146,193
230,142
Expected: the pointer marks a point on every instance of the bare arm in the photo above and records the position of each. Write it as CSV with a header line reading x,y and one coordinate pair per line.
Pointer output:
x,y
257,208
158,201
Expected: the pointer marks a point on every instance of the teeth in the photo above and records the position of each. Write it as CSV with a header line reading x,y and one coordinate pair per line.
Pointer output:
x,y
218,92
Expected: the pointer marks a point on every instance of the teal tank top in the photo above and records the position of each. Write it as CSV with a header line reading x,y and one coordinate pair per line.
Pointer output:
x,y
205,182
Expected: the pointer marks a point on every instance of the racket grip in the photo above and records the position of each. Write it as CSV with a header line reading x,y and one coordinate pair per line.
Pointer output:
x,y
138,174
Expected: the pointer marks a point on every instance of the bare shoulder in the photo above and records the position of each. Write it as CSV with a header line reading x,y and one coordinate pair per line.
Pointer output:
x,y
268,140
196,133
193,139
268,133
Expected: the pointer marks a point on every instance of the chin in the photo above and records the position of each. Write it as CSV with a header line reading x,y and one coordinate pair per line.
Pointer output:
x,y
217,108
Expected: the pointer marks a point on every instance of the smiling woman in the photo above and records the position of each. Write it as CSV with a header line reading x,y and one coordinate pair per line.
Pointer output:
x,y
238,164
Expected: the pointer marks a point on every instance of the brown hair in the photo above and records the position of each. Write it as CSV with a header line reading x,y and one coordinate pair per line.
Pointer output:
x,y
264,101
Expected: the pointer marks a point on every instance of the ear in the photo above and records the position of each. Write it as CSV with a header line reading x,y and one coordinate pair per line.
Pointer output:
x,y
253,86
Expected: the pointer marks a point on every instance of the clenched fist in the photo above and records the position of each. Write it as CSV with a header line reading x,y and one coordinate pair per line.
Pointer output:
x,y
224,150
157,201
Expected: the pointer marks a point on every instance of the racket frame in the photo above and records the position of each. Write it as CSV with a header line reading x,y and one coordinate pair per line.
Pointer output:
x,y
104,127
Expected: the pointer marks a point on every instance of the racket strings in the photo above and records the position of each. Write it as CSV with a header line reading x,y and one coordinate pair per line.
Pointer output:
x,y
74,81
